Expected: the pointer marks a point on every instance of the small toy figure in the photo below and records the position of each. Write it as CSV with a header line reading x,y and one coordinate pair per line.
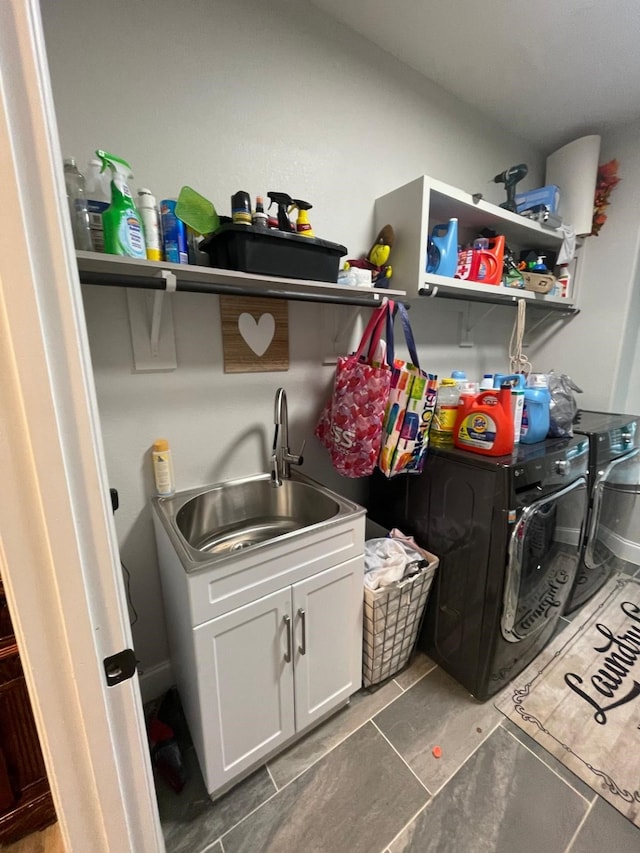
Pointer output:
x,y
377,257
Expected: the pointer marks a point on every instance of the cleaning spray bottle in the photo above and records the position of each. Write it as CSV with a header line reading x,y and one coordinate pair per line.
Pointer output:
x,y
123,233
303,226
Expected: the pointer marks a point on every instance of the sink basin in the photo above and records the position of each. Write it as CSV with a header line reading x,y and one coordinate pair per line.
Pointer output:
x,y
227,519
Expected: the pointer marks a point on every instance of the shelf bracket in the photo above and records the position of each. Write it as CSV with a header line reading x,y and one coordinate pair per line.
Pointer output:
x,y
466,326
151,323
555,315
341,333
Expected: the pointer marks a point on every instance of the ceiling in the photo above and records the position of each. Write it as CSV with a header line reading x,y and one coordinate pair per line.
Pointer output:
x,y
550,70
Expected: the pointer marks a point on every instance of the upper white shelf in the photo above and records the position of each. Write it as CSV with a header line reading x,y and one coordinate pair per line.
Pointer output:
x,y
414,209
102,269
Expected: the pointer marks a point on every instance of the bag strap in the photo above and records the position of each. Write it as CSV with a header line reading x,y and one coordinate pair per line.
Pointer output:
x,y
408,335
373,330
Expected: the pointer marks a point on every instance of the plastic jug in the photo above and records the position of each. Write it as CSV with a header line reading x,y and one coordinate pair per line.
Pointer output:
x,y
490,260
535,414
518,387
485,423
442,252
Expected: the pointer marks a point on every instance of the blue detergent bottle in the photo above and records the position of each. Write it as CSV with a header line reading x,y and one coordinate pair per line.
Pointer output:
x,y
535,415
442,250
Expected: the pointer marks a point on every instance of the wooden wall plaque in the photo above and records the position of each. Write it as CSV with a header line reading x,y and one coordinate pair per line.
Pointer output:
x,y
255,334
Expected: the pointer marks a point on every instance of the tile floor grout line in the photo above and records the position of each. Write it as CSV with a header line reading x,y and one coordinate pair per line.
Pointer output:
x,y
408,824
579,828
552,769
401,758
471,754
413,683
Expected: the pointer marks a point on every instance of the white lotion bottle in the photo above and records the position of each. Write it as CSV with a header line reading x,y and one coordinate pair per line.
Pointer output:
x,y
163,468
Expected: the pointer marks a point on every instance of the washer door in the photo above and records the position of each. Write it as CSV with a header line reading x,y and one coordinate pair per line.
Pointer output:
x,y
543,557
614,531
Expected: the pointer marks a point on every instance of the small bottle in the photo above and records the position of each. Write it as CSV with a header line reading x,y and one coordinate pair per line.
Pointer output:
x,y
150,215
460,376
98,194
563,282
444,417
241,208
486,383
77,200
163,468
260,218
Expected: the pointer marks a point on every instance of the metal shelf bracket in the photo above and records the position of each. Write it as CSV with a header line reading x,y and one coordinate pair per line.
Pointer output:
x,y
466,326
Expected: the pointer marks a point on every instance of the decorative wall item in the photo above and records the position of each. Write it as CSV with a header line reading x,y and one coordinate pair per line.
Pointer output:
x,y
607,180
255,334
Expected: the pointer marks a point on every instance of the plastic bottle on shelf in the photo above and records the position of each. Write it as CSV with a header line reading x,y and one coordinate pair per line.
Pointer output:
x,y
486,383
123,233
163,468
259,218
563,282
150,215
535,414
98,200
460,376
444,417
77,200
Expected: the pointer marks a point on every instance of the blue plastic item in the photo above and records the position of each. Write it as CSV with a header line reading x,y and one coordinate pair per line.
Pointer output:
x,y
516,380
535,415
442,252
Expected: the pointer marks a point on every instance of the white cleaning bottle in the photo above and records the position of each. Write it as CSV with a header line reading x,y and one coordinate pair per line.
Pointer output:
x,y
163,468
150,214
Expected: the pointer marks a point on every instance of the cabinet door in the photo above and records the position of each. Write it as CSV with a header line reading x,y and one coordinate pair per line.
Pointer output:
x,y
327,612
245,686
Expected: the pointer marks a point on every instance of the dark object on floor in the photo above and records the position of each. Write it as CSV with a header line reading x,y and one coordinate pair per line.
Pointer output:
x,y
171,738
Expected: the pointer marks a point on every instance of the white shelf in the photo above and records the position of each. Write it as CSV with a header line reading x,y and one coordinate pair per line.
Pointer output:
x,y
416,207
114,270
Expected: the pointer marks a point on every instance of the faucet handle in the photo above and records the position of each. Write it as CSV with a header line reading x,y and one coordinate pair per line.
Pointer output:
x,y
299,459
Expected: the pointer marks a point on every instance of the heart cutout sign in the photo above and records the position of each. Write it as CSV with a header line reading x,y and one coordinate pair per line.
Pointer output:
x,y
257,335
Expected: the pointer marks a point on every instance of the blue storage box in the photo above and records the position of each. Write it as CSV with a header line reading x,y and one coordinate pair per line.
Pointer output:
x,y
549,196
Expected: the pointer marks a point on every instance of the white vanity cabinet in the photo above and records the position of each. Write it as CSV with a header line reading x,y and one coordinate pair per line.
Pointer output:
x,y
415,208
270,669
264,647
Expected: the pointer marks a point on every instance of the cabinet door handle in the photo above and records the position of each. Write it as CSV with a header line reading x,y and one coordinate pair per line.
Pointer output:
x,y
287,622
303,619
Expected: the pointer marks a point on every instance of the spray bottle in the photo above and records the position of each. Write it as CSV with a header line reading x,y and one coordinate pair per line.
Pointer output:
x,y
303,226
123,233
282,201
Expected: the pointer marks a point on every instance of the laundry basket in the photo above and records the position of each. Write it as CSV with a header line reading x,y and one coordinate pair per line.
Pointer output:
x,y
392,618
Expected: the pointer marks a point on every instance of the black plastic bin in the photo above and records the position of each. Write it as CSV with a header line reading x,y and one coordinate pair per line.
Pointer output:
x,y
270,252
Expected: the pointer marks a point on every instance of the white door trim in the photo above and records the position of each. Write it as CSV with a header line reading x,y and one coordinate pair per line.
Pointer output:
x,y
58,552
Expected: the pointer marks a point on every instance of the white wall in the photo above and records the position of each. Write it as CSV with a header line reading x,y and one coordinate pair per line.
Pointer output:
x,y
258,96
598,348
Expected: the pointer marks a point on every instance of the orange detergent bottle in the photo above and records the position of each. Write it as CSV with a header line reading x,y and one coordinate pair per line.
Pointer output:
x,y
485,423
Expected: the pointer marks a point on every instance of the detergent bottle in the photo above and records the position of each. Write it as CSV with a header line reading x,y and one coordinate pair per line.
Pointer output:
x,y
518,385
122,226
485,423
442,250
535,414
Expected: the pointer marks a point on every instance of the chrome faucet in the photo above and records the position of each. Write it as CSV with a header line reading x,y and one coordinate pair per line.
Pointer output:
x,y
281,458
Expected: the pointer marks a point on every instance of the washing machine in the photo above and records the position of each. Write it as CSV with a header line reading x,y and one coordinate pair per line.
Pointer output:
x,y
508,532
612,533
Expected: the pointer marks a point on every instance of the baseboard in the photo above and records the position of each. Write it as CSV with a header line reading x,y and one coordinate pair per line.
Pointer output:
x,y
156,680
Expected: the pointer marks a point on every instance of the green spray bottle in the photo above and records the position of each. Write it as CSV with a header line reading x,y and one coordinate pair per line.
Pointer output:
x,y
122,226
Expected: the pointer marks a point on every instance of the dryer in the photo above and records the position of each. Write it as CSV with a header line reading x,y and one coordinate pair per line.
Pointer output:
x,y
612,538
508,532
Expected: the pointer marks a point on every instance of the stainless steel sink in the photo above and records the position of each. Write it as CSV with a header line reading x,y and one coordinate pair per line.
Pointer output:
x,y
226,519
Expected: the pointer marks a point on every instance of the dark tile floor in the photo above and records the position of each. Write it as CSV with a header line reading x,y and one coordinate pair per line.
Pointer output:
x,y
366,781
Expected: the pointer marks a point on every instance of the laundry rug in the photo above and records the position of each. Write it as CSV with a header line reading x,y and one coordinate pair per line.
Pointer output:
x,y
580,698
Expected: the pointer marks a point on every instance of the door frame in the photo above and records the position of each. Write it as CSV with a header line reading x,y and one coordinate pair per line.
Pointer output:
x,y
58,549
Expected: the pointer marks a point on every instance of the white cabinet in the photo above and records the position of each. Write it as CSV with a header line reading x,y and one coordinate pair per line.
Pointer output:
x,y
417,207
270,669
264,645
